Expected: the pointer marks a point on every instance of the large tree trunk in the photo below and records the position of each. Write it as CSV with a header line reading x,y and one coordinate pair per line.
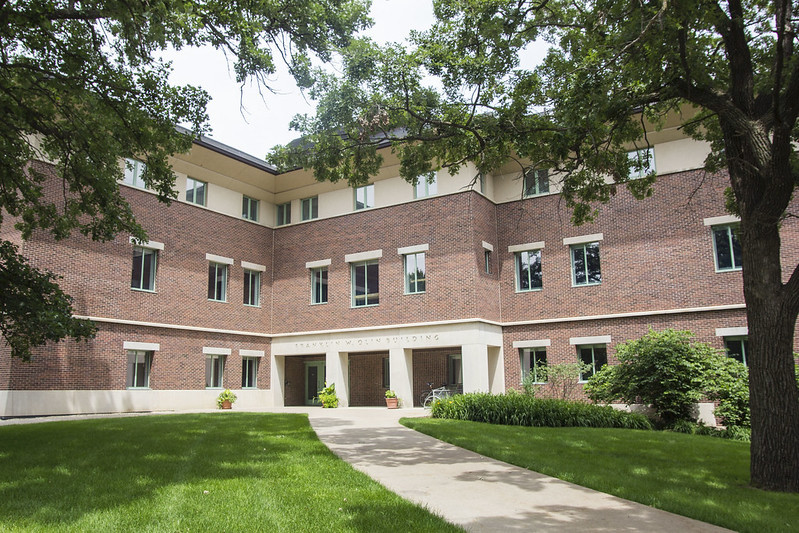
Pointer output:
x,y
774,398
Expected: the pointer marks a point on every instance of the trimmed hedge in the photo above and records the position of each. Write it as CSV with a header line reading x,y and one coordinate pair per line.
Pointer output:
x,y
522,410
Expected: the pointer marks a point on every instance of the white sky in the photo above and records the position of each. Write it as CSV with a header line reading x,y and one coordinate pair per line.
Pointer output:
x,y
254,121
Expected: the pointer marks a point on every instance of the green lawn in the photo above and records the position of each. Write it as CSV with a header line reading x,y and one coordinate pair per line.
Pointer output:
x,y
198,472
701,477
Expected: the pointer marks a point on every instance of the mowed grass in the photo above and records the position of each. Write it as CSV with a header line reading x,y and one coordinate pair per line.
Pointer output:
x,y
700,477
198,472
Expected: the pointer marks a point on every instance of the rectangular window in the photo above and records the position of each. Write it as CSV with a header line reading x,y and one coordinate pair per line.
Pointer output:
x,y
139,363
249,372
217,282
585,264
142,275
455,372
642,162
309,208
249,208
196,191
386,373
414,273
528,271
536,181
425,186
319,285
365,197
134,172
481,179
284,214
596,356
737,347
214,370
534,363
488,261
365,284
252,288
727,247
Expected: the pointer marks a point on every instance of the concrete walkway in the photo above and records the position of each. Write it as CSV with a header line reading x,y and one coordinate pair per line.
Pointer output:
x,y
475,492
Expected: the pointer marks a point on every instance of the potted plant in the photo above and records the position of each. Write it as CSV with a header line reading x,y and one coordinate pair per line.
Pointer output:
x,y
392,402
225,399
328,396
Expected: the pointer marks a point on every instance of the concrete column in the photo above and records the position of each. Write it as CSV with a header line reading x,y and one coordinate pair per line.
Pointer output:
x,y
400,362
475,368
278,380
496,368
337,368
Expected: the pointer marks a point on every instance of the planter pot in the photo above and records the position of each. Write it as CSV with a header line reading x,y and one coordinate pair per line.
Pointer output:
x,y
226,404
392,403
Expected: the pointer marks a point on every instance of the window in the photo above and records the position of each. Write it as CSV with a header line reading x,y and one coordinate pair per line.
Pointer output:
x,y
365,284
249,208
386,373
134,172
214,370
596,356
414,273
217,282
585,264
139,363
284,214
737,347
195,191
249,372
481,180
727,247
528,271
365,197
252,288
488,261
642,162
309,208
534,363
455,371
536,181
319,285
142,275
425,186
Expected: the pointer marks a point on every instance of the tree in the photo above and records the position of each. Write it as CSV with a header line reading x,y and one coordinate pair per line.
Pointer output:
x,y
729,69
82,85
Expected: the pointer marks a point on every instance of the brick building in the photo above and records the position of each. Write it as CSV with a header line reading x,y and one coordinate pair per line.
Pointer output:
x,y
270,284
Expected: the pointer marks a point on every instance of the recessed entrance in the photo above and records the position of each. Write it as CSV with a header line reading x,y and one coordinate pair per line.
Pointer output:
x,y
314,381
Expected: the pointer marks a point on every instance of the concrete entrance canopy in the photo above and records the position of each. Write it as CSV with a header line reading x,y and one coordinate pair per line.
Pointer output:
x,y
480,343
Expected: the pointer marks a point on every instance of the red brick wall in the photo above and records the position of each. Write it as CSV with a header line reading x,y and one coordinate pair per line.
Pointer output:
x,y
483,224
366,379
430,366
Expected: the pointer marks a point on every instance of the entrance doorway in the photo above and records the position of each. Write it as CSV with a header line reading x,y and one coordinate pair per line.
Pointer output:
x,y
314,381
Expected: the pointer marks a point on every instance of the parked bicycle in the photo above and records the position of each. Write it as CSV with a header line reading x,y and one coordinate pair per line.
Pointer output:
x,y
429,396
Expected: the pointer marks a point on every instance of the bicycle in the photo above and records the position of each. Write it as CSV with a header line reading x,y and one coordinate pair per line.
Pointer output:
x,y
428,397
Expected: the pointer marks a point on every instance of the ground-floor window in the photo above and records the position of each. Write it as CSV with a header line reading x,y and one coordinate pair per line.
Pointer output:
x,y
534,364
249,372
455,371
139,363
386,373
737,348
596,356
214,370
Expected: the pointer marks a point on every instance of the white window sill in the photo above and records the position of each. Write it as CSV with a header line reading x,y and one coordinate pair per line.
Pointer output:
x,y
143,290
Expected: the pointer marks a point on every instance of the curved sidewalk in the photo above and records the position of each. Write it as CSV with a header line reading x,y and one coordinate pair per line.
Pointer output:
x,y
473,491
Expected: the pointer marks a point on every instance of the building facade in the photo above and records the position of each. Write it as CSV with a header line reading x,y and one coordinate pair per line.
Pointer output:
x,y
272,284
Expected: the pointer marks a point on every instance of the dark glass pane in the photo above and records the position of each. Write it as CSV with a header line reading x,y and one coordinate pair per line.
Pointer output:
x,y
324,286
536,281
723,252
190,194
592,257
135,276
199,193
373,283
247,288
148,273
220,282
312,382
529,183
140,372
578,255
524,271
587,357
736,249
735,349
600,358
211,281
359,271
314,207
543,181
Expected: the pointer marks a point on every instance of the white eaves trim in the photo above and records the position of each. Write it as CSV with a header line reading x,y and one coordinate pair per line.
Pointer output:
x,y
487,246
594,237
413,249
210,350
524,247
318,264
153,245
599,339
219,259
716,221
253,266
143,346
363,256
732,332
541,343
252,353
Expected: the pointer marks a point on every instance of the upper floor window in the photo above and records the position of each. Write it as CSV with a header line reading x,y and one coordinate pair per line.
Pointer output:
x,y
309,208
415,273
319,285
534,364
426,186
528,270
737,348
145,261
134,172
595,356
249,208
252,288
217,282
642,162
139,363
727,247
196,191
487,261
365,283
284,214
536,181
365,196
585,264
249,372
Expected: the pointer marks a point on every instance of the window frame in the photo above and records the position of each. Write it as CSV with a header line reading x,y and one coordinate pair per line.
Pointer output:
x,y
133,366
425,188
540,176
518,268
312,203
319,285
209,370
135,171
193,189
635,156
731,230
413,286
285,210
386,362
593,347
454,380
583,246
744,346
253,290
225,280
154,268
529,355
246,362
368,191
248,206
353,276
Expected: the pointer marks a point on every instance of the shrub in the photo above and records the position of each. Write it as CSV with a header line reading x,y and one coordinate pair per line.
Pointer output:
x,y
328,396
225,396
523,410
692,428
727,382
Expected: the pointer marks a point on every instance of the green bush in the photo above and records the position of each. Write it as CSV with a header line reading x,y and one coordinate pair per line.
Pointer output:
x,y
523,410
692,428
328,396
727,382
